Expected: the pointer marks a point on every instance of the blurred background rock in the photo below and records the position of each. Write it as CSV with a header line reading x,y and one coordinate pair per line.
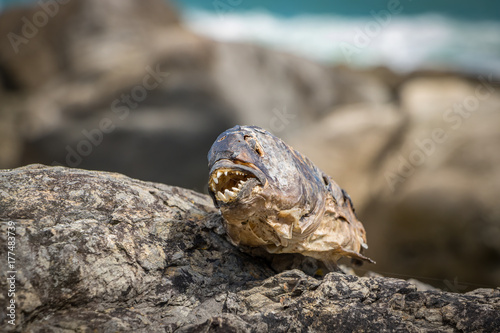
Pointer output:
x,y
398,101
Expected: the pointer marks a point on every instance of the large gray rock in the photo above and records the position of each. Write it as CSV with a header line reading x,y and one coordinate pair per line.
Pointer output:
x,y
423,174
102,252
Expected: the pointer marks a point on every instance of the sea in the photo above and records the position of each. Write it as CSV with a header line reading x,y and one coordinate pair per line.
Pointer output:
x,y
404,35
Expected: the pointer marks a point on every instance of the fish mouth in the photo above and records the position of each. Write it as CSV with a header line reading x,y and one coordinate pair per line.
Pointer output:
x,y
229,180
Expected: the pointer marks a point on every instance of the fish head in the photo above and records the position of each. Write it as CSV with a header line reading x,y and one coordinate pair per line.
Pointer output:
x,y
255,176
236,168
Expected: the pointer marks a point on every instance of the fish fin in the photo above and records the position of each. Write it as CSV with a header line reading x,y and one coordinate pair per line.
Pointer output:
x,y
356,256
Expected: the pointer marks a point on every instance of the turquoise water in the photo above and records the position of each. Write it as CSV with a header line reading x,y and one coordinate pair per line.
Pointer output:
x,y
470,10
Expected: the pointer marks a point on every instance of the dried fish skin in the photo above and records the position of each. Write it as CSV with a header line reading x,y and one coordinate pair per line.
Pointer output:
x,y
272,196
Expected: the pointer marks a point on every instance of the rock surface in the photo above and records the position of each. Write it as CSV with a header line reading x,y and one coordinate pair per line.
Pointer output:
x,y
423,175
73,95
102,252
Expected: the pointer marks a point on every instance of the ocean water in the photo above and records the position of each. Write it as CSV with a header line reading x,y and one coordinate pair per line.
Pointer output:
x,y
402,43
404,35
461,9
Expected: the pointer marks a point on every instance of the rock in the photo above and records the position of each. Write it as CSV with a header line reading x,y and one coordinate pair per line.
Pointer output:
x,y
11,142
77,94
285,93
423,176
133,85
92,77
102,252
443,209
357,137
37,50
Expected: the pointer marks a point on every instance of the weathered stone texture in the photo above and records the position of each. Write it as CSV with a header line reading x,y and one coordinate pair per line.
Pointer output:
x,y
101,252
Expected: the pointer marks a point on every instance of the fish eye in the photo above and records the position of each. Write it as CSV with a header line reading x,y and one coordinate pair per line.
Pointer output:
x,y
254,144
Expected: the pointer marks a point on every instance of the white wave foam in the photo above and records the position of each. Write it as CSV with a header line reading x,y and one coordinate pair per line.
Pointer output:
x,y
402,43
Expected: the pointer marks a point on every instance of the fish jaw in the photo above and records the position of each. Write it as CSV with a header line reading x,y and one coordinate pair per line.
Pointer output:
x,y
229,181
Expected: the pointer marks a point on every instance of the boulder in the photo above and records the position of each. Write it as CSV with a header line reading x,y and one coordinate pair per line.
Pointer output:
x,y
423,174
102,252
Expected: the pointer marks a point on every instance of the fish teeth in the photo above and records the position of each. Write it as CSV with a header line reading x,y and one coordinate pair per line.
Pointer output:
x,y
221,196
229,194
